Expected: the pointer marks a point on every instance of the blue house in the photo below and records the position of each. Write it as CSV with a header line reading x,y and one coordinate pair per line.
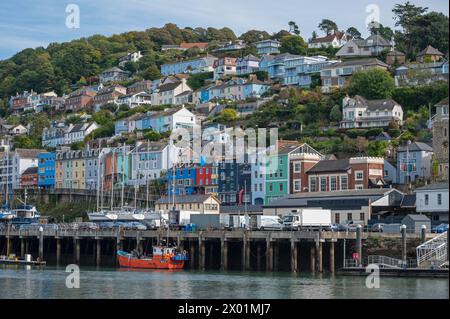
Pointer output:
x,y
46,170
184,181
235,184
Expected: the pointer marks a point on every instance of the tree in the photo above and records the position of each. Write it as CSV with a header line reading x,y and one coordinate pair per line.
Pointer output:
x,y
379,29
152,136
228,115
336,114
372,84
377,148
252,36
354,33
314,35
327,26
152,73
293,44
293,28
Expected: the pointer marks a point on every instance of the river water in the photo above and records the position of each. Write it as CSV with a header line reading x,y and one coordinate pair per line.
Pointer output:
x,y
50,282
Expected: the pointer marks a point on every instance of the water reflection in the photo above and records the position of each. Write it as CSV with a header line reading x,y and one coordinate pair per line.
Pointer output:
x,y
181,284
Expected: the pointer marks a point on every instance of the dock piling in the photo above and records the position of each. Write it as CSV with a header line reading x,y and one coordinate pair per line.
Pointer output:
x,y
58,251
224,251
294,256
332,257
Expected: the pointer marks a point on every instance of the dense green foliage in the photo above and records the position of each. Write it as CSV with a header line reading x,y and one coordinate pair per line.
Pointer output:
x,y
372,84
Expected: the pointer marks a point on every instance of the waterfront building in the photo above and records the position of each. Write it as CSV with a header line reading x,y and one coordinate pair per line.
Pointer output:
x,y
359,112
414,161
46,170
345,205
91,159
432,200
204,204
150,161
13,164
29,178
280,176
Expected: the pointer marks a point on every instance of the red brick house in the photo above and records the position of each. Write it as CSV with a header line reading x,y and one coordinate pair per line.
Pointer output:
x,y
80,99
343,174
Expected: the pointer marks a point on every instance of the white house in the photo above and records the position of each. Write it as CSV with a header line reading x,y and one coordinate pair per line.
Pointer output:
x,y
78,132
432,200
166,93
372,46
150,160
136,99
414,161
359,112
13,164
335,39
130,57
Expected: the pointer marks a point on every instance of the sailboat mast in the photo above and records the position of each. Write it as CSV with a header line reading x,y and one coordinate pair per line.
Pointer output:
x,y
98,181
148,173
7,176
123,173
112,180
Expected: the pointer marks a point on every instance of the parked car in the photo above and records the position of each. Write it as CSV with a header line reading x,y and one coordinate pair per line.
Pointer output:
x,y
442,228
378,227
338,227
86,226
106,225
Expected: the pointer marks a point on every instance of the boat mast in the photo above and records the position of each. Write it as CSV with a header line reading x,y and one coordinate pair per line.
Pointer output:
x,y
98,181
112,180
148,172
123,173
102,178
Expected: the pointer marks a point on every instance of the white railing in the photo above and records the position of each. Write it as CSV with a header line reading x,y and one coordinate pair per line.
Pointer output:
x,y
433,253
385,261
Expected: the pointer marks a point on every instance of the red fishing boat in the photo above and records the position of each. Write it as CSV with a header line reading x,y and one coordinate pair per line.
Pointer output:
x,y
162,258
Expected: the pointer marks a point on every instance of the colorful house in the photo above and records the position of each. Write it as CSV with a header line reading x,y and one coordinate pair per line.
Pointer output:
x,y
46,170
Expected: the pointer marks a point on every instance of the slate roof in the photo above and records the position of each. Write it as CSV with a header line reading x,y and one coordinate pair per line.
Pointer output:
x,y
374,105
443,102
330,166
152,147
168,86
30,170
434,186
369,61
415,147
409,200
418,218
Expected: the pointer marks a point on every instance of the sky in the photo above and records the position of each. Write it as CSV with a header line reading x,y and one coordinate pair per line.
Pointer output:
x,y
30,23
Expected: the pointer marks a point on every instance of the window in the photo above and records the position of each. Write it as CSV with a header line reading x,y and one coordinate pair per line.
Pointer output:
x,y
281,187
361,216
297,167
337,218
270,187
349,216
333,183
323,183
359,187
297,185
359,175
312,184
427,199
439,199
